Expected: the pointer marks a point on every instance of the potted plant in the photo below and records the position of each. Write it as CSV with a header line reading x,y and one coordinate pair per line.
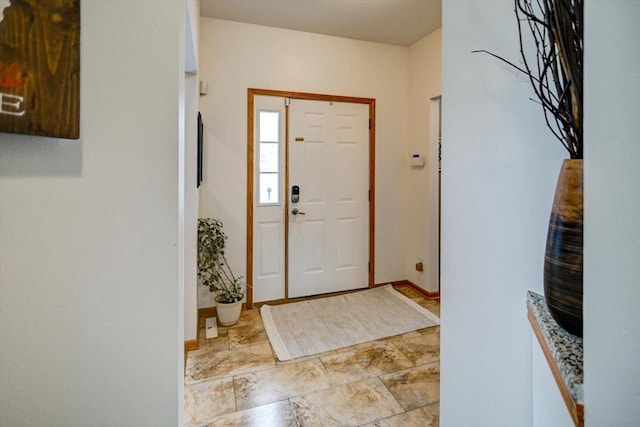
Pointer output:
x,y
215,273
556,29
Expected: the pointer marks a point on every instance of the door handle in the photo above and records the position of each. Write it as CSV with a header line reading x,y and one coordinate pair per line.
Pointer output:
x,y
295,211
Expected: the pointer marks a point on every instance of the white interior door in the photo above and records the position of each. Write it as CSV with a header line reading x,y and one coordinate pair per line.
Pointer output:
x,y
329,225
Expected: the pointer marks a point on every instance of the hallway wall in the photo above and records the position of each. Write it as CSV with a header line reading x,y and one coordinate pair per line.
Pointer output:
x,y
192,101
500,166
612,209
421,186
236,56
91,331
499,172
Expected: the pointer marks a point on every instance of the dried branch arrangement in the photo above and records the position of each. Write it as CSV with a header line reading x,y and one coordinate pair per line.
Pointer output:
x,y
556,28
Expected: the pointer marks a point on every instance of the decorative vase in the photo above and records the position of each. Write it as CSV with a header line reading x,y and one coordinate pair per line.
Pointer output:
x,y
228,313
563,255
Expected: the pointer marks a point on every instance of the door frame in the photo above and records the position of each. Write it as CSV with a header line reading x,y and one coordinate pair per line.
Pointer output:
x,y
435,188
251,93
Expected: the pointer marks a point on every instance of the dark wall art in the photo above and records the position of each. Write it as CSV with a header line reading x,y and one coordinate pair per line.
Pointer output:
x,y
40,67
200,149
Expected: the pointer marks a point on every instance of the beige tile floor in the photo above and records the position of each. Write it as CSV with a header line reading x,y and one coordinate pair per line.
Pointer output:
x,y
235,380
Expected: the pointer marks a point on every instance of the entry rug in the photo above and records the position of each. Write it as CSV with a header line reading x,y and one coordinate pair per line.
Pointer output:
x,y
311,327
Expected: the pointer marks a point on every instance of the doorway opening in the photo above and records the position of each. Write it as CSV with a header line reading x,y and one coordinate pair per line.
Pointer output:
x,y
435,186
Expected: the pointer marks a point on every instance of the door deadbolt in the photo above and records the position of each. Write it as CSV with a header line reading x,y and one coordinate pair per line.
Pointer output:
x,y
295,194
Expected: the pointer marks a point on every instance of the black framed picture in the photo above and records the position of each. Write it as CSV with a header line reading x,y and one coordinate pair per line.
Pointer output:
x,y
200,149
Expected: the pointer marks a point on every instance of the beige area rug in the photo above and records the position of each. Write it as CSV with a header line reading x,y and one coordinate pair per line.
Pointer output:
x,y
311,327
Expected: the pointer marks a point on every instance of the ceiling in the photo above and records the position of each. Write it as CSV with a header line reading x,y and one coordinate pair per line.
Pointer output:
x,y
396,22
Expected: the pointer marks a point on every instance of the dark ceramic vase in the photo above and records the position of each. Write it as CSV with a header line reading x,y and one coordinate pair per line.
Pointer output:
x,y
563,255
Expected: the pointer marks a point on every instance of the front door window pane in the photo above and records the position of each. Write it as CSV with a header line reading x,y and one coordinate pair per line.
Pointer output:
x,y
269,159
269,188
269,155
269,129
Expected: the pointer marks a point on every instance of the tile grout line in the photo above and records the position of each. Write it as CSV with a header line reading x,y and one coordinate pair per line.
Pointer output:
x,y
233,387
404,410
293,411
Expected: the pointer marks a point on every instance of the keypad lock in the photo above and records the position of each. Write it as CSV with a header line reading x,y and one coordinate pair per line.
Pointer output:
x,y
295,194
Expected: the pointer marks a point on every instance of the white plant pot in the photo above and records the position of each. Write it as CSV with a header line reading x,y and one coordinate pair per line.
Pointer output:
x,y
228,314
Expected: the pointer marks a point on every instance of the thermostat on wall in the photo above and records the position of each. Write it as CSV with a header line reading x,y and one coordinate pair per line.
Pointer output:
x,y
417,160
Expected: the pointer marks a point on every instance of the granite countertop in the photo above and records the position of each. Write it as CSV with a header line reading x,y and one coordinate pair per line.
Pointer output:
x,y
565,348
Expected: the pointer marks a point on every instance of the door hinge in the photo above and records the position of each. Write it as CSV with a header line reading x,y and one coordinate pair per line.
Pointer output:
x,y
369,123
369,267
369,195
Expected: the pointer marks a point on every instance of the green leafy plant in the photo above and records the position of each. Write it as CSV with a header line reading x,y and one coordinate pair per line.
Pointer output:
x,y
213,269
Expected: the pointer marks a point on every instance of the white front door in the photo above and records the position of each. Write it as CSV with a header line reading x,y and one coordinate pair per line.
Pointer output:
x,y
329,224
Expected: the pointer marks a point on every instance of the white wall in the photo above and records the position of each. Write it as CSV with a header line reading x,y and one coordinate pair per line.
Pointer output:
x,y
192,40
548,407
500,166
420,189
235,56
90,294
612,209
192,100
